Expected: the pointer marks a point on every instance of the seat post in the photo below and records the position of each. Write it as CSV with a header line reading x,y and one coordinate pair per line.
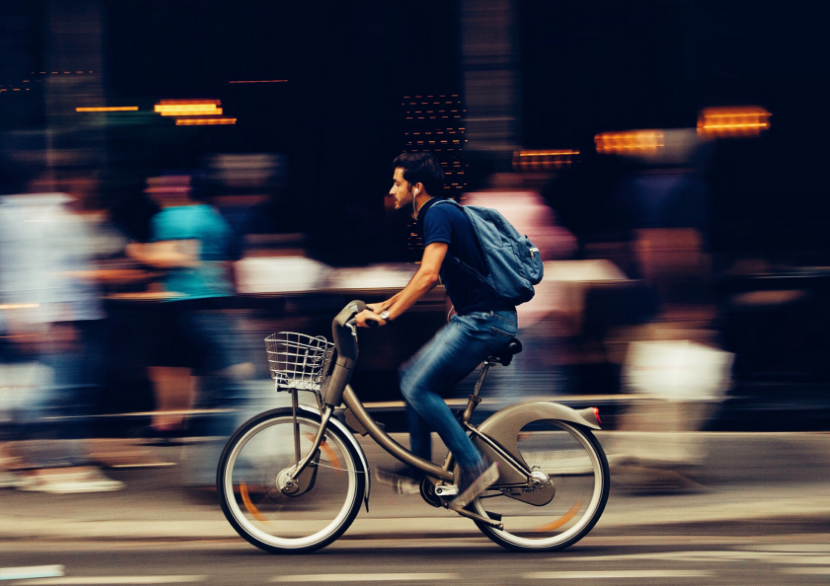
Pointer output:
x,y
471,405
474,398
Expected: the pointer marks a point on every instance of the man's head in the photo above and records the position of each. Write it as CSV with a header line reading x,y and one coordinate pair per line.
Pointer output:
x,y
416,174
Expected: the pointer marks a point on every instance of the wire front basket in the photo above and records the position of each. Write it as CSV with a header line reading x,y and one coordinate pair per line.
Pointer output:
x,y
298,361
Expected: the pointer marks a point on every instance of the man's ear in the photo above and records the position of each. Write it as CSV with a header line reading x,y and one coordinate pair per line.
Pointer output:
x,y
417,188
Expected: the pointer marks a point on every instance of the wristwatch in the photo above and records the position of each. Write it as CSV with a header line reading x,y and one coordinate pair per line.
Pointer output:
x,y
384,315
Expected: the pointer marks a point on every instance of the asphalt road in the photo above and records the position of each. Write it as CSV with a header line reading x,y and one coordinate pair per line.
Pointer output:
x,y
742,553
759,518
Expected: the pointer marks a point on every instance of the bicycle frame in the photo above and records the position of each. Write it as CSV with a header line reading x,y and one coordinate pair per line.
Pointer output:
x,y
338,390
496,438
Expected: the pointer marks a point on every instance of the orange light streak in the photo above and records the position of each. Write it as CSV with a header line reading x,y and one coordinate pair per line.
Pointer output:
x,y
631,142
108,109
205,121
189,102
723,122
206,110
540,160
547,153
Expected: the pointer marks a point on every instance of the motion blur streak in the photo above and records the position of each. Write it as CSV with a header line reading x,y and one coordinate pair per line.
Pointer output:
x,y
109,109
188,107
633,140
733,122
535,160
205,121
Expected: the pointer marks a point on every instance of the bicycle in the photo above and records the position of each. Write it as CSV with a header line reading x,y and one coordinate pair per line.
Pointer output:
x,y
292,479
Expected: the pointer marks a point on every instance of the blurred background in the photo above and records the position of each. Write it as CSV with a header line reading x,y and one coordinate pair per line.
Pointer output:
x,y
664,155
181,178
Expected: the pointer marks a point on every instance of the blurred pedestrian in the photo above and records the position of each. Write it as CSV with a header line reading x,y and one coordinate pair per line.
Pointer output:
x,y
195,247
51,323
537,372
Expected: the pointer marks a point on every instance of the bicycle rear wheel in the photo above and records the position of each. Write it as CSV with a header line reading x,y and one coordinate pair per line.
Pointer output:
x,y
576,464
276,522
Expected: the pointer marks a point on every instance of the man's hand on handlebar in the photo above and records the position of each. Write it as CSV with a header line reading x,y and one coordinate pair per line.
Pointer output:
x,y
368,318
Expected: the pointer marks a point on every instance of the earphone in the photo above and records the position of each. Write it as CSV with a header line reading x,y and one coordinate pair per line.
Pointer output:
x,y
415,192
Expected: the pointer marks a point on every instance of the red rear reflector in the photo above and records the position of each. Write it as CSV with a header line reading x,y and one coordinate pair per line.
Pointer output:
x,y
596,414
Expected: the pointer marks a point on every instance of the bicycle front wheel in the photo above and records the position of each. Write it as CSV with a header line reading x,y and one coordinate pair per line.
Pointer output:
x,y
574,461
270,519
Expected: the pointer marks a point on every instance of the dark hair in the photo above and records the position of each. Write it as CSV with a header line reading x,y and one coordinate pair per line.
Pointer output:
x,y
422,168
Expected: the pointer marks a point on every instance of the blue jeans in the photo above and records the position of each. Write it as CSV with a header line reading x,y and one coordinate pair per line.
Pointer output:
x,y
452,354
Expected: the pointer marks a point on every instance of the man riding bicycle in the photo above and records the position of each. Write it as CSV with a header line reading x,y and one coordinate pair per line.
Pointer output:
x,y
482,325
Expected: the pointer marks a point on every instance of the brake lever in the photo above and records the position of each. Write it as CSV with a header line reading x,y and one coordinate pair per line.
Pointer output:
x,y
352,325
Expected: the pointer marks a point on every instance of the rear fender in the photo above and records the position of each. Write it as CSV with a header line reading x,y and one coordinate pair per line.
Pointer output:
x,y
504,426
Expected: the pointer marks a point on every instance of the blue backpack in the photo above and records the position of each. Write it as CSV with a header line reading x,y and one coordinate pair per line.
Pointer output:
x,y
513,262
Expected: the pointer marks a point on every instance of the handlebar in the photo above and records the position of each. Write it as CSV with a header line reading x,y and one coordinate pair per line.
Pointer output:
x,y
348,313
352,309
344,334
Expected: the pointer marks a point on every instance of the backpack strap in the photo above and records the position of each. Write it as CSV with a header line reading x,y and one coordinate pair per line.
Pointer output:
x,y
457,261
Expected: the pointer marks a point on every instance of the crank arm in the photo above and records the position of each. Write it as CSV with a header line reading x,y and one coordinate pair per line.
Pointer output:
x,y
476,517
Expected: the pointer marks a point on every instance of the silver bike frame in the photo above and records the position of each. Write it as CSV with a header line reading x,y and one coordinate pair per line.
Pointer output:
x,y
337,391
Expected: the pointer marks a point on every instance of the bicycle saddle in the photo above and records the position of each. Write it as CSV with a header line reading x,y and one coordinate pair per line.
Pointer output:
x,y
506,354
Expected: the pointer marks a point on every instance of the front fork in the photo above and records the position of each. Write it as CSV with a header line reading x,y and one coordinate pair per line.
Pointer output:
x,y
298,478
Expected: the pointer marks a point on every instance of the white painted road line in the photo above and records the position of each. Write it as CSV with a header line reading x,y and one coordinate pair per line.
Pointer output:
x,y
807,560
28,572
791,547
617,574
407,577
676,556
705,556
814,571
94,580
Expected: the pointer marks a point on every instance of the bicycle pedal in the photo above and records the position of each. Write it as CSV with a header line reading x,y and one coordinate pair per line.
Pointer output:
x,y
493,516
446,490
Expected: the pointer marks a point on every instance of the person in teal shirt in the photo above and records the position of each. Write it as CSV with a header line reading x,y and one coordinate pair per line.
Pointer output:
x,y
195,247
190,241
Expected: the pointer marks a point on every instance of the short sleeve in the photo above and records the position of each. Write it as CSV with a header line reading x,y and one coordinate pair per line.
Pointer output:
x,y
437,225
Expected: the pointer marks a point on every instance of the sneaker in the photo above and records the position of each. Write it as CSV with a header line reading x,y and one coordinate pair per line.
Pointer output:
x,y
67,481
403,480
473,483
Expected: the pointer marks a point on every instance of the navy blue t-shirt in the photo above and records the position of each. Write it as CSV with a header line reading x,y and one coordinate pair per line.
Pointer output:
x,y
447,223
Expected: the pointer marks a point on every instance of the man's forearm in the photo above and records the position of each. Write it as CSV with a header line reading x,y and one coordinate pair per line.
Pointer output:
x,y
421,283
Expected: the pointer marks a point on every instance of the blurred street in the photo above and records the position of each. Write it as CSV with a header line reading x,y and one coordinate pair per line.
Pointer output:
x,y
757,498
791,554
